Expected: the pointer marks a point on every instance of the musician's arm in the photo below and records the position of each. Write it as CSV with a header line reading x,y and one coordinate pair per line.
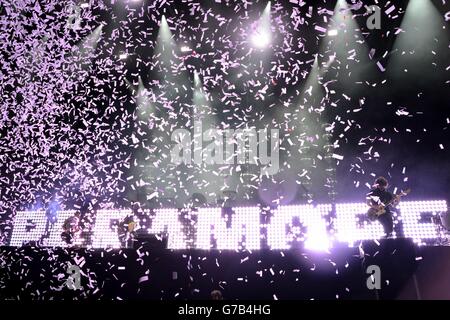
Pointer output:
x,y
371,203
395,200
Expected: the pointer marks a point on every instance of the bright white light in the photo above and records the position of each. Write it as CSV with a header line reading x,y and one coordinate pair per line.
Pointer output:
x,y
333,32
244,229
185,49
207,217
244,223
281,232
164,21
167,221
412,212
123,56
54,239
28,226
350,229
84,5
261,39
105,235
317,239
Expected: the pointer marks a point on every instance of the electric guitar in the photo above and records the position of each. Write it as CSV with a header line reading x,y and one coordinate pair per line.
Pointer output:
x,y
71,232
131,226
374,213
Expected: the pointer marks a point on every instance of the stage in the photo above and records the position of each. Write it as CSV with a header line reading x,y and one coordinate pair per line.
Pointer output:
x,y
30,273
269,143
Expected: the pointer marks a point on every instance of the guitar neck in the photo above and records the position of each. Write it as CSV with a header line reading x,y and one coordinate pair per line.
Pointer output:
x,y
395,198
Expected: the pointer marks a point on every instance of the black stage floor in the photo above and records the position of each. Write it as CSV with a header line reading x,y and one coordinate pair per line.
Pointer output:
x,y
407,272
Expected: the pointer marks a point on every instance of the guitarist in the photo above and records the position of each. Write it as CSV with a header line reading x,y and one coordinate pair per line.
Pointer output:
x,y
71,228
377,198
126,231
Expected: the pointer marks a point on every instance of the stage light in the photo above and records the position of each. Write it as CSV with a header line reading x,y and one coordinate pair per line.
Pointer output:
x,y
185,49
164,22
261,39
28,226
351,227
207,217
412,214
244,223
52,211
248,218
123,56
55,230
241,229
167,221
422,43
333,32
165,44
316,240
105,234
197,81
281,232
345,41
